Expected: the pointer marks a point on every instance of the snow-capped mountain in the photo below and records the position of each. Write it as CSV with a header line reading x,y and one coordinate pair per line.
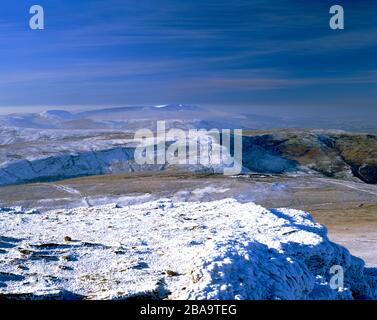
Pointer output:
x,y
132,117
136,117
57,115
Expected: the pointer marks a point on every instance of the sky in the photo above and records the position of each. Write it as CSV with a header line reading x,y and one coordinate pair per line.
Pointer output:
x,y
259,55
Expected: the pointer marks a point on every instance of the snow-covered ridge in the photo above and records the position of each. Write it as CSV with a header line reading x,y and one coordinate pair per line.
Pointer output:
x,y
100,118
95,162
161,249
59,155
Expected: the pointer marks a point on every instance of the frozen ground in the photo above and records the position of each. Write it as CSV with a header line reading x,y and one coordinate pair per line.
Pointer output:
x,y
177,250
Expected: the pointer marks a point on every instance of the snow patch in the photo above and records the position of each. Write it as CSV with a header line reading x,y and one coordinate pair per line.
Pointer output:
x,y
209,190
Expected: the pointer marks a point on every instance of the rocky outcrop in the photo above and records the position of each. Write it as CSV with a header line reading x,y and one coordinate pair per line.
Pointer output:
x,y
360,152
161,249
335,155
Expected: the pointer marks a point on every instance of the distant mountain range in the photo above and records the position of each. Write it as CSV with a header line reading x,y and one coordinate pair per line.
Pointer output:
x,y
136,117
178,116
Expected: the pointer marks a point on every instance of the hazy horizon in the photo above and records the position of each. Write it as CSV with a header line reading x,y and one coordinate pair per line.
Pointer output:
x,y
273,111
242,56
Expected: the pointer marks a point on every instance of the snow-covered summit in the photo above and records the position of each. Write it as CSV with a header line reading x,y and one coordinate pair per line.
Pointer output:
x,y
58,114
162,249
177,107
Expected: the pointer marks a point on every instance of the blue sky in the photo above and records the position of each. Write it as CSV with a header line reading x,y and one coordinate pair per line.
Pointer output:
x,y
269,56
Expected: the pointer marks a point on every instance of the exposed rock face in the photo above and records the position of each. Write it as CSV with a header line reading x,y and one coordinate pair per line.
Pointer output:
x,y
262,154
367,173
337,155
360,152
161,249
